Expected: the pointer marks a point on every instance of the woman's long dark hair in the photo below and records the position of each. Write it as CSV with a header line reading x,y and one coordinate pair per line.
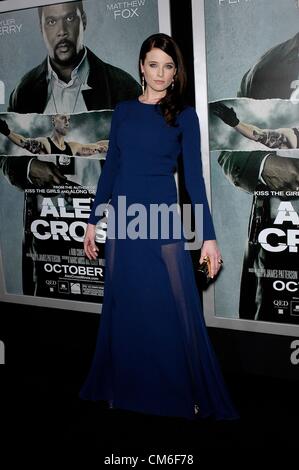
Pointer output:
x,y
173,102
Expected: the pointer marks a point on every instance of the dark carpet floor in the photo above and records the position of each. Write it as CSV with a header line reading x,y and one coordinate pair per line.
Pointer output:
x,y
43,413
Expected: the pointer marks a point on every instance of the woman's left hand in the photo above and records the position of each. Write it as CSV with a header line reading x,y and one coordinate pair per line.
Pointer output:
x,y
211,250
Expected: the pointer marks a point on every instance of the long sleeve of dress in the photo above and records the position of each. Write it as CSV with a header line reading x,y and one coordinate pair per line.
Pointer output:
x,y
109,172
193,175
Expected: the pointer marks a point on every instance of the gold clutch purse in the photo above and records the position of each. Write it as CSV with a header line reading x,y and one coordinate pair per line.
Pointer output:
x,y
204,272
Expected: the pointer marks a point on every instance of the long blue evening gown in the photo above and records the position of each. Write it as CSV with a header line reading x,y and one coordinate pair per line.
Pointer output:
x,y
153,354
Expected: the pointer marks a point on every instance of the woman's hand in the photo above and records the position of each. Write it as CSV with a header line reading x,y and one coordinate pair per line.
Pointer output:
x,y
211,250
90,248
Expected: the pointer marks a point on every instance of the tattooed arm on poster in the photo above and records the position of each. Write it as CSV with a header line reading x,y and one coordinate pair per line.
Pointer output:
x,y
35,146
41,145
85,150
283,138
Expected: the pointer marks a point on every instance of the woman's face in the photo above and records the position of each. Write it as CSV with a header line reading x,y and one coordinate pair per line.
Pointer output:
x,y
158,70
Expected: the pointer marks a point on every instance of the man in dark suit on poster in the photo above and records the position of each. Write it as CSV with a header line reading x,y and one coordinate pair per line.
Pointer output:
x,y
70,79
71,75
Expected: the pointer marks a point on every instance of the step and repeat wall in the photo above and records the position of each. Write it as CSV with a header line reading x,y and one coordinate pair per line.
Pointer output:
x,y
64,66
247,87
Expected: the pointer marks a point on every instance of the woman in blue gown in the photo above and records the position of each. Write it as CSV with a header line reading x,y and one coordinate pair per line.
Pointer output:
x,y
153,353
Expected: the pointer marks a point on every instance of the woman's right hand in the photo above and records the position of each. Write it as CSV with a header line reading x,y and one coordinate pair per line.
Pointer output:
x,y
90,248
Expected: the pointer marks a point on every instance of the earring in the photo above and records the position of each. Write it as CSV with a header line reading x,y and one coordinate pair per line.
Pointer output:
x,y
142,84
172,84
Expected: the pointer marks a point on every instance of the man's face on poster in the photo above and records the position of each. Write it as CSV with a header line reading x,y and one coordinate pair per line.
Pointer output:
x,y
63,27
61,123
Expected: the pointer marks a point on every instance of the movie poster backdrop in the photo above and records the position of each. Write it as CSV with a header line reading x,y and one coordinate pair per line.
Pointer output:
x,y
46,192
247,72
